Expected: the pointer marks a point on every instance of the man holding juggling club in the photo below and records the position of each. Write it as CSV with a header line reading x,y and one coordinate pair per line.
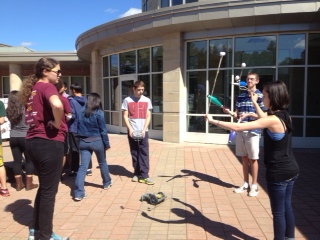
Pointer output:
x,y
247,142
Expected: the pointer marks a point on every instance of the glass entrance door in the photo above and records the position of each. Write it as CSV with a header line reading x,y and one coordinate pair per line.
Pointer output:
x,y
125,91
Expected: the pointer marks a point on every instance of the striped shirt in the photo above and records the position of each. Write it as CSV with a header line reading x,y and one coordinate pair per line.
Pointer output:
x,y
245,105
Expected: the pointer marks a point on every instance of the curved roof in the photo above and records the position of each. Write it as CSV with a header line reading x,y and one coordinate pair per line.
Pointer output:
x,y
201,19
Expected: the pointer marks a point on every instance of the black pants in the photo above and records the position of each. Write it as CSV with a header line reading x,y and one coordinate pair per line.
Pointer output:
x,y
75,153
18,147
140,156
47,159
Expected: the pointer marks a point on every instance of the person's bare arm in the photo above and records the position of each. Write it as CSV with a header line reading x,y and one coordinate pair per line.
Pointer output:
x,y
1,120
146,124
126,121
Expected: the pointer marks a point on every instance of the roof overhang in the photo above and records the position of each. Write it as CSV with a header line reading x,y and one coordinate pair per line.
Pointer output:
x,y
218,18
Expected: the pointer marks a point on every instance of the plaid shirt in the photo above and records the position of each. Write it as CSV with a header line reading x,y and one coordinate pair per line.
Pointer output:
x,y
245,105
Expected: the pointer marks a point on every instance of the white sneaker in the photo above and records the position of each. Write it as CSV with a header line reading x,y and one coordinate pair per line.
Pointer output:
x,y
135,179
253,192
241,189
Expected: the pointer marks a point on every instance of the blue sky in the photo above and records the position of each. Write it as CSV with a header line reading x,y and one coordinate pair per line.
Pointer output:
x,y
55,25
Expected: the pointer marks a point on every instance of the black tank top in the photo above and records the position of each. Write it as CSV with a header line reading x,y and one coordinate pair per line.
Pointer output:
x,y
278,156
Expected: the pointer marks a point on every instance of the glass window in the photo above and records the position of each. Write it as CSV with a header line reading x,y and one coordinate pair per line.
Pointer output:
x,y
128,62
255,51
105,67
215,129
222,90
294,79
196,92
79,80
107,117
157,93
196,124
176,2
144,60
217,46
197,55
5,87
291,49
106,87
146,80
157,121
265,75
88,85
114,94
297,127
145,6
114,65
191,1
115,119
313,96
165,3
314,48
312,127
157,59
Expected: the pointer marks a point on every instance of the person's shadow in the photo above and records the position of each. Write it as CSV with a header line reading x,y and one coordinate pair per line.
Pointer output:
x,y
21,210
113,169
214,227
200,177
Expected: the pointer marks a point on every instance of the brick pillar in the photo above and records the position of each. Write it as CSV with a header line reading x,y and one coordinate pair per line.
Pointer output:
x,y
96,73
15,76
173,89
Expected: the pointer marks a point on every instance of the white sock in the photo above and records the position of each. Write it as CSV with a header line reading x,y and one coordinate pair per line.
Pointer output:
x,y
245,184
254,186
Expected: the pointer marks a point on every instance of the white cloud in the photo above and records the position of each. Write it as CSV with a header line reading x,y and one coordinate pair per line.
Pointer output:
x,y
111,10
130,12
300,43
26,44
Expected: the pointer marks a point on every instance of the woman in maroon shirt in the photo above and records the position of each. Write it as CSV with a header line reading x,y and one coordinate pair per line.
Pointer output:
x,y
44,140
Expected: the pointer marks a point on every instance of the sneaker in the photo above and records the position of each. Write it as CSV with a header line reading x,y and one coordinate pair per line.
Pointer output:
x,y
108,186
89,172
147,181
78,199
253,192
4,192
55,237
135,179
241,189
31,234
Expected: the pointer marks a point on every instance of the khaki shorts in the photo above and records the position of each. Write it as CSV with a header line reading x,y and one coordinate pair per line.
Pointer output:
x,y
247,144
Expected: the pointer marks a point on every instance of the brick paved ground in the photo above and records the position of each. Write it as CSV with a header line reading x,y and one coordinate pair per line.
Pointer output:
x,y
198,180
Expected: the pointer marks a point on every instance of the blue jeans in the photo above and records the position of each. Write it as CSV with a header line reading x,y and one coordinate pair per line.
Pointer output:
x,y
280,194
86,150
47,159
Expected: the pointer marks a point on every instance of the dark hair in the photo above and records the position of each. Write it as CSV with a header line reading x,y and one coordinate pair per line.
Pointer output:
x,y
65,84
59,85
278,95
15,109
76,87
93,103
138,83
26,87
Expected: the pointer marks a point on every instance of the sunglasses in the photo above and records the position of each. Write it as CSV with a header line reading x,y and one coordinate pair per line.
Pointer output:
x,y
56,72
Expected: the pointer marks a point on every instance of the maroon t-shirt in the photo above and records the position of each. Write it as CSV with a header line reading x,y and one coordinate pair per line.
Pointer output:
x,y
39,113
66,106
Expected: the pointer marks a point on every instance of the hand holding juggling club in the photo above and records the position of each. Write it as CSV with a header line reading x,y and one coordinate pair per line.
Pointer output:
x,y
215,101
